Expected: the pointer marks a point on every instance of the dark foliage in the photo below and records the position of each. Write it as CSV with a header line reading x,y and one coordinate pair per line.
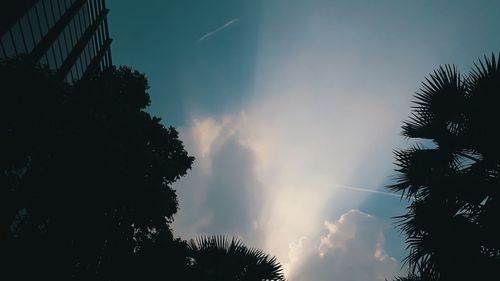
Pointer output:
x,y
216,258
452,222
85,177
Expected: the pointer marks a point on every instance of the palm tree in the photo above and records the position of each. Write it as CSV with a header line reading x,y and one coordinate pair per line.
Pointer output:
x,y
452,174
410,277
218,258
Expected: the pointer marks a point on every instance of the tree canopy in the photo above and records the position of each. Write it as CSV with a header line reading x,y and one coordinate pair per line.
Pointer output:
x,y
452,175
86,173
85,186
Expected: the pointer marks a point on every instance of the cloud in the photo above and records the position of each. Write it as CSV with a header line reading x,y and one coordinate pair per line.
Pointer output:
x,y
225,25
270,178
216,197
352,249
313,139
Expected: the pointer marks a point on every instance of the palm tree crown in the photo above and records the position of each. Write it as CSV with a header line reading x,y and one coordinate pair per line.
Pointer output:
x,y
452,176
218,258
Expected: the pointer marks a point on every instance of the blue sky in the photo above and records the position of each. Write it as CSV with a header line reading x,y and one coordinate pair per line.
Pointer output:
x,y
292,109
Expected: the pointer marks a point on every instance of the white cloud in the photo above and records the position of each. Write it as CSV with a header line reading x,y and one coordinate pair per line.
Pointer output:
x,y
270,181
322,115
216,196
351,249
316,133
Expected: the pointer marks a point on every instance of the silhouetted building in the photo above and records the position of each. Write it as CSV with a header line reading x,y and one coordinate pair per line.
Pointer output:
x,y
69,36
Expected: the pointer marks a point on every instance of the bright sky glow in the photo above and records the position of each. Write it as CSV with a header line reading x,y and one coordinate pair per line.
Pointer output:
x,y
292,109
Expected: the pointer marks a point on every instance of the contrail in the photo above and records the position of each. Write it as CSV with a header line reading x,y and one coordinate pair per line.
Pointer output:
x,y
206,35
368,190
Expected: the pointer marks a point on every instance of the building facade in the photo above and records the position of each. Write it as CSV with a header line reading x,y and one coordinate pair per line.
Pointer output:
x,y
71,37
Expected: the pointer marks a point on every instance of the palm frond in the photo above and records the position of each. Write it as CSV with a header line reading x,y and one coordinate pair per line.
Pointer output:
x,y
483,113
437,107
486,68
418,168
231,258
411,277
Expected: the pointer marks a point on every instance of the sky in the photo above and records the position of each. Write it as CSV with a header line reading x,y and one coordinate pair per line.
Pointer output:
x,y
292,110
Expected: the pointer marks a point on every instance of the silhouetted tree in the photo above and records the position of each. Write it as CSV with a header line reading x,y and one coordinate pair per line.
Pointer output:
x,y
410,277
218,258
452,176
85,176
